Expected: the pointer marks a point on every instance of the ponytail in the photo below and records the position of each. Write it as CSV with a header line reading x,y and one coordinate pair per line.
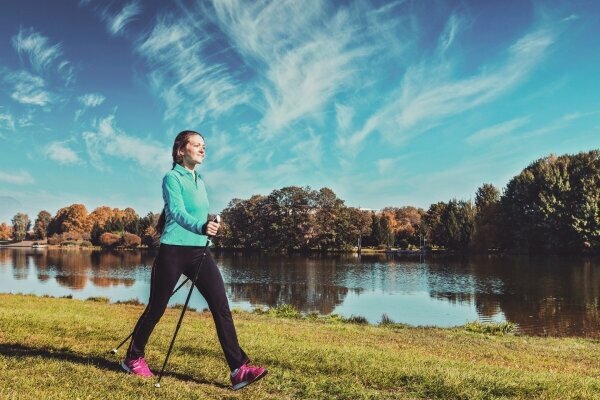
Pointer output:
x,y
160,225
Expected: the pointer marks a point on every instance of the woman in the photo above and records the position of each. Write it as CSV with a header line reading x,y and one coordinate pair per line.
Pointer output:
x,y
184,233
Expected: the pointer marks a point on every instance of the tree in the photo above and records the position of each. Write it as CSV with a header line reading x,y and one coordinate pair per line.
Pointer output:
x,y
40,227
488,218
5,231
458,219
100,216
71,218
359,226
21,225
433,225
554,205
287,213
407,227
328,221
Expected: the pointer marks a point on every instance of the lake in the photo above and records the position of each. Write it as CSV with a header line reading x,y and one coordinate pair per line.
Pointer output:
x,y
543,296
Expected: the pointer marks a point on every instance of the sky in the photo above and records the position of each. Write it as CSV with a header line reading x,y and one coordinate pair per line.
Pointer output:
x,y
388,103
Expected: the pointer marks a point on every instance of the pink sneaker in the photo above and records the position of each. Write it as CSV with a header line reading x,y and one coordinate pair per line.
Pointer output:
x,y
247,374
137,366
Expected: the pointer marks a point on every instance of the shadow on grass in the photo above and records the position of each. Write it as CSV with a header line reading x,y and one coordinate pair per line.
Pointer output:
x,y
19,351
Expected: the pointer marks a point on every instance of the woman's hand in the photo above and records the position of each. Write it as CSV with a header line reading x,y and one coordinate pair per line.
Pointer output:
x,y
212,228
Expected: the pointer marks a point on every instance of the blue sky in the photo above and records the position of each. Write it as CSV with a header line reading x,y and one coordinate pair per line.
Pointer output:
x,y
387,103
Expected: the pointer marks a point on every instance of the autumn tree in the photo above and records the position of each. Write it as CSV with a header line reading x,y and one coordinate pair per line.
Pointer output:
x,y
100,216
71,218
5,231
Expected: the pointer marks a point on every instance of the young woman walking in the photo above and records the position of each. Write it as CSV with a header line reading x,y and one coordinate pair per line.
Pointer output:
x,y
184,232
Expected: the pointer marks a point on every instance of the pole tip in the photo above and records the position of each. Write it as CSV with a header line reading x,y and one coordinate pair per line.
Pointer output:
x,y
114,351
157,384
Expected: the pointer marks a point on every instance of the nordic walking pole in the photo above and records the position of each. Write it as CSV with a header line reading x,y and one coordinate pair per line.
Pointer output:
x,y
116,349
187,300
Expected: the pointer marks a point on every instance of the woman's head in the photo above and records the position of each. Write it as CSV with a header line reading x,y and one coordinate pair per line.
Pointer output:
x,y
188,148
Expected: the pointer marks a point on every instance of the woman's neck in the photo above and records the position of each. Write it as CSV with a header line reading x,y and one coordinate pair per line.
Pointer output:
x,y
189,167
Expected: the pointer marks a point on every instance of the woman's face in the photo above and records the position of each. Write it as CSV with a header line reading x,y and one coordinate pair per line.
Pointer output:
x,y
194,151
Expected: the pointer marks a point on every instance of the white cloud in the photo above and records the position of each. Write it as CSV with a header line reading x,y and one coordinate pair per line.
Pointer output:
x,y
116,23
91,99
42,54
17,178
501,129
7,122
29,89
428,95
59,152
192,89
308,54
449,34
572,17
108,140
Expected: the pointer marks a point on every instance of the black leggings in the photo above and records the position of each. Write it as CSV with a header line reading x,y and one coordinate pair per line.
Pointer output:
x,y
170,263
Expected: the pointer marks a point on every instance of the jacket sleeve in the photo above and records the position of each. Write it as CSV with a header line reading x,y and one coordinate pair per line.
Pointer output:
x,y
174,204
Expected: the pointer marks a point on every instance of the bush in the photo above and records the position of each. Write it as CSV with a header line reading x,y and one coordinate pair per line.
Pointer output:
x,y
86,243
55,239
66,243
131,240
72,235
109,240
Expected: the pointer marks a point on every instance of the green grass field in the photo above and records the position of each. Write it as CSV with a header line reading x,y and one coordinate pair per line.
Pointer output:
x,y
58,349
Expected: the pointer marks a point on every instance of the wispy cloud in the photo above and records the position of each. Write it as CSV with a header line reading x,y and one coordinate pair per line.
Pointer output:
x,y
449,35
43,56
501,129
61,153
91,99
428,95
191,88
17,178
29,89
572,17
116,23
7,123
108,140
307,53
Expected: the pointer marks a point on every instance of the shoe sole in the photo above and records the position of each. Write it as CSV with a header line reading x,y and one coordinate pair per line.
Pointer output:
x,y
128,370
242,385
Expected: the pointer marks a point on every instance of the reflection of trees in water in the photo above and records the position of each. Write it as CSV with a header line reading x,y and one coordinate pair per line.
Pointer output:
x,y
307,283
5,257
71,267
303,297
452,297
550,296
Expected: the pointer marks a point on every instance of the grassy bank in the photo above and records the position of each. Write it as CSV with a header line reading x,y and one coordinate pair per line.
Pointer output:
x,y
57,349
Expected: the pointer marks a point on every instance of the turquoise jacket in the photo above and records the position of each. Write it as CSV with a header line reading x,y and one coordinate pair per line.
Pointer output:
x,y
186,208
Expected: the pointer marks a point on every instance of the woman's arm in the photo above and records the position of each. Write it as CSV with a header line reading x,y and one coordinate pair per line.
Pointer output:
x,y
176,207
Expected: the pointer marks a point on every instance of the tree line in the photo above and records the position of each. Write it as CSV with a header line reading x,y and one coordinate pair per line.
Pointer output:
x,y
552,205
72,225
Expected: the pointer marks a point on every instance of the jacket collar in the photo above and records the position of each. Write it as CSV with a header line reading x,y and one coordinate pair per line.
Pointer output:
x,y
183,171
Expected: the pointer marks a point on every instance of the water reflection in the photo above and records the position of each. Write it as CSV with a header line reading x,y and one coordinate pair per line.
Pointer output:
x,y
550,296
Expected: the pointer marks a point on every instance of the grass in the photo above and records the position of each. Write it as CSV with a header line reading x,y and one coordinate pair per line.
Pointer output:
x,y
57,348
